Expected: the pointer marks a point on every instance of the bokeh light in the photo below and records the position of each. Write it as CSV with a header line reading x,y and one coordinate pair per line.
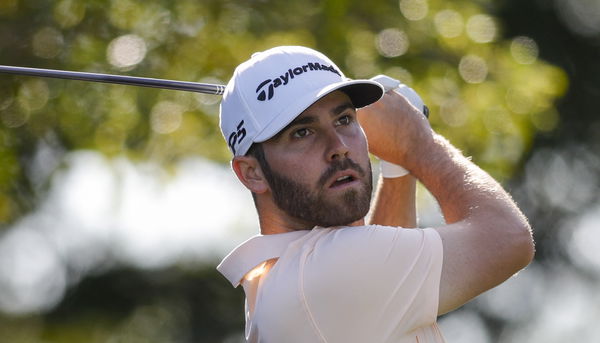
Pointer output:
x,y
392,43
524,50
414,9
449,23
125,52
47,42
453,112
481,28
473,69
166,117
33,95
68,13
12,117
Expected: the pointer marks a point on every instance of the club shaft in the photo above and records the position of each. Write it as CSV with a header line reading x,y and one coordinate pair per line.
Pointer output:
x,y
207,88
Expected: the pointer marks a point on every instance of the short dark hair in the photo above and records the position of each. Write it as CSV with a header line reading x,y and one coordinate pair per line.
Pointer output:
x,y
256,150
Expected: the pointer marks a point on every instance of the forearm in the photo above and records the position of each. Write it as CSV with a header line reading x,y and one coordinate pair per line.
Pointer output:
x,y
462,189
394,203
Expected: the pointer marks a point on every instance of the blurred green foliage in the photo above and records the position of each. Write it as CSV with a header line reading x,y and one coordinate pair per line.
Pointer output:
x,y
489,94
129,305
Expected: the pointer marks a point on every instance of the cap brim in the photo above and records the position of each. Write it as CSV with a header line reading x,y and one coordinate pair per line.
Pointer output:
x,y
361,92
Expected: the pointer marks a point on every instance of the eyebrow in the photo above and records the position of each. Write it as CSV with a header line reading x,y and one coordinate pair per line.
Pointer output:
x,y
298,121
341,108
312,118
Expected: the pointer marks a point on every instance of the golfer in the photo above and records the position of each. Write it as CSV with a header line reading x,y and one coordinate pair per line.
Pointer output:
x,y
301,134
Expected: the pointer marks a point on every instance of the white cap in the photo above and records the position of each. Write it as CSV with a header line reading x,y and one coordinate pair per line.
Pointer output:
x,y
270,90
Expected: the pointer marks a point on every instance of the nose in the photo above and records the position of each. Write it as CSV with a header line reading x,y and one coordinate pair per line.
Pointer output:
x,y
338,149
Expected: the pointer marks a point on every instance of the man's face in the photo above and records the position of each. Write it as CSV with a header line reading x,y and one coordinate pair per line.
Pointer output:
x,y
318,166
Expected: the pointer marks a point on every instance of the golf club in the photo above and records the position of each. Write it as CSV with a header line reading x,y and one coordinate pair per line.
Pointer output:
x,y
206,88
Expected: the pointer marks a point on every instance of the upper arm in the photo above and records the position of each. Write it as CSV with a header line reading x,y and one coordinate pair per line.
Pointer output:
x,y
479,256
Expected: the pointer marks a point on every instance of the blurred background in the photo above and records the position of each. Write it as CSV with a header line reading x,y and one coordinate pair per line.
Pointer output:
x,y
117,203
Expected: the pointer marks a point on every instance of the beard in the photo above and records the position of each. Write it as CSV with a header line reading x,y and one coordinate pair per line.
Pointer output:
x,y
310,204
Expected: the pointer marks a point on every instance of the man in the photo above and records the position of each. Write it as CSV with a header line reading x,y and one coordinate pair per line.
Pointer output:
x,y
317,273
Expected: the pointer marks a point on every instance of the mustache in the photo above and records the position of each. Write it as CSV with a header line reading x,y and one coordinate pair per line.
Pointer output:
x,y
340,165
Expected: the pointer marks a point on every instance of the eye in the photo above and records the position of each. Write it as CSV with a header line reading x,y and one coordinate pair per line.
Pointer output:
x,y
300,133
345,120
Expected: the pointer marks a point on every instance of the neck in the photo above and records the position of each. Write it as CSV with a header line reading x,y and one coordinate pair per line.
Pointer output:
x,y
273,220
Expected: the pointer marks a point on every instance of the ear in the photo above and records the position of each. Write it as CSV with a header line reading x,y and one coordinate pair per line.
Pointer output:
x,y
249,173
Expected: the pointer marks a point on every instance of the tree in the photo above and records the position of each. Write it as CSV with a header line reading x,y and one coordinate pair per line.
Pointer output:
x,y
479,65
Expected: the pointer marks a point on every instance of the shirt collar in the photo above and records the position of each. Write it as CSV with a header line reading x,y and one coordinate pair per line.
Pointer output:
x,y
254,251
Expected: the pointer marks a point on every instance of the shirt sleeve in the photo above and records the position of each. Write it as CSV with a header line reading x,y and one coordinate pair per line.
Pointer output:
x,y
385,280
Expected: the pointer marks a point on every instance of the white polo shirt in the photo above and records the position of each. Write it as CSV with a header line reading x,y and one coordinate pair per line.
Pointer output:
x,y
350,284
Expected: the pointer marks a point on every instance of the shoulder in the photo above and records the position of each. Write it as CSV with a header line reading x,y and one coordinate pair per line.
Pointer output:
x,y
377,240
373,251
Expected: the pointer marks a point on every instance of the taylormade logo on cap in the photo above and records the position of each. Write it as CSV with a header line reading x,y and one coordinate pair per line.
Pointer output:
x,y
266,89
273,87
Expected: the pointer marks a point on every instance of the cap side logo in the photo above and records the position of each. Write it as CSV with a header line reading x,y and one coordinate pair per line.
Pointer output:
x,y
266,89
236,137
